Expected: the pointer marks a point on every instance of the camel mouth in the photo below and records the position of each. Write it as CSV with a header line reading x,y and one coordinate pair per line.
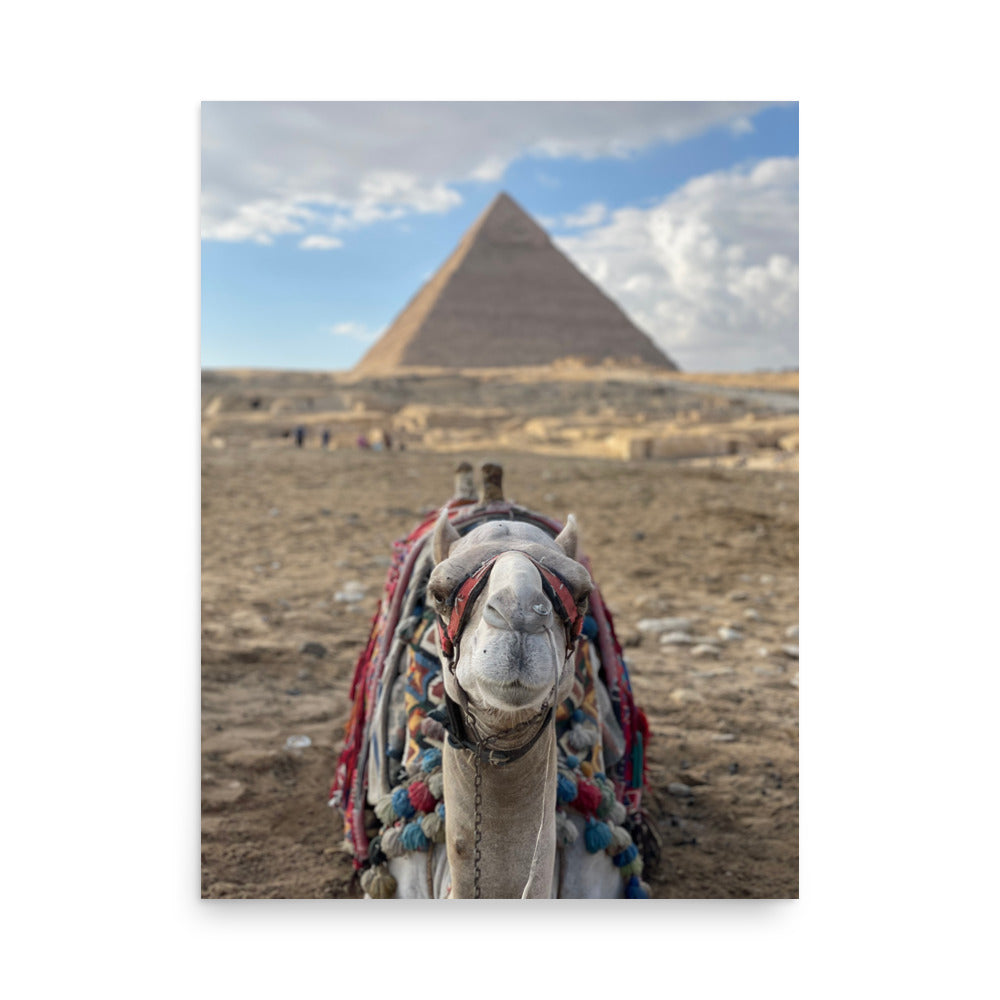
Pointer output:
x,y
514,694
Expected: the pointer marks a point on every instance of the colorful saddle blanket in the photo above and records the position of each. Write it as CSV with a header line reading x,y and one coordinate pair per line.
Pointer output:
x,y
388,783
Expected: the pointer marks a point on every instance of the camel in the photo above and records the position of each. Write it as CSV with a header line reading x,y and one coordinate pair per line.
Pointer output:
x,y
491,801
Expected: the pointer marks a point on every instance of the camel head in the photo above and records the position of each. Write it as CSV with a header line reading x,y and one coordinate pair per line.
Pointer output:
x,y
510,600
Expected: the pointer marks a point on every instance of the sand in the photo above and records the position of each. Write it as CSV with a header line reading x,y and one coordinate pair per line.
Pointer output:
x,y
286,530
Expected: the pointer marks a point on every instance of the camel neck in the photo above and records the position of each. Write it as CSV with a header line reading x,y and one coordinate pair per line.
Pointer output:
x,y
518,812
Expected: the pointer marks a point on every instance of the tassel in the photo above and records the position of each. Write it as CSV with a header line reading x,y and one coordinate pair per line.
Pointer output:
x,y
620,860
433,827
414,838
421,798
392,844
435,784
566,790
618,814
634,867
566,832
385,811
636,889
597,836
588,797
430,759
608,800
381,885
402,804
620,839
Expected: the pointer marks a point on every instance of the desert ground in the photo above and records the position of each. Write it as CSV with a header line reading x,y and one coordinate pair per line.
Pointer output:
x,y
686,491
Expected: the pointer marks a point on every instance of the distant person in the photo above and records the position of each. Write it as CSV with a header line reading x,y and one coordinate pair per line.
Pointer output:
x,y
363,442
326,437
387,440
300,435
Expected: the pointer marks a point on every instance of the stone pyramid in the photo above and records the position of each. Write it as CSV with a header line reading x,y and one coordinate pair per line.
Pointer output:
x,y
508,296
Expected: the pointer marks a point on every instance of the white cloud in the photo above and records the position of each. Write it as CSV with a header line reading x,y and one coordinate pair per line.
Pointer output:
x,y
317,242
711,272
356,331
589,215
271,168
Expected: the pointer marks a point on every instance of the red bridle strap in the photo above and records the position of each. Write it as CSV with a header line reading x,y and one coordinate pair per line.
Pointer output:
x,y
469,590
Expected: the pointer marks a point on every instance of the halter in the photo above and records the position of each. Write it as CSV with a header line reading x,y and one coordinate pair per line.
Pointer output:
x,y
463,598
466,593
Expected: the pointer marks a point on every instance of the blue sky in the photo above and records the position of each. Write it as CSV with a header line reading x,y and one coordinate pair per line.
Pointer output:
x,y
321,220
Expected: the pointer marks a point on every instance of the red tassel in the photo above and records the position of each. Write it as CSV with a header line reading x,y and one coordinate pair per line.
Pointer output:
x,y
588,797
420,796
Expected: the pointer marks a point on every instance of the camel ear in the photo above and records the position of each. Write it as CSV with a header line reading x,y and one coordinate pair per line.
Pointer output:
x,y
567,539
445,536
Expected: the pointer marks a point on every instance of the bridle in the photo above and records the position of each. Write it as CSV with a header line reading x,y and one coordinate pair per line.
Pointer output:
x,y
458,723
457,608
466,593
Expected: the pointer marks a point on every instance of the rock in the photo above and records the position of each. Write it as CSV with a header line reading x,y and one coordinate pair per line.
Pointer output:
x,y
630,637
728,634
273,512
676,639
739,595
794,681
656,626
752,614
703,650
293,692
792,632
684,696
723,737
353,592
651,604
304,675
297,742
679,789
792,651
763,651
316,649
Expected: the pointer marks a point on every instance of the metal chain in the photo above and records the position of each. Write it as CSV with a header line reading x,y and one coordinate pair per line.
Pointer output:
x,y
478,829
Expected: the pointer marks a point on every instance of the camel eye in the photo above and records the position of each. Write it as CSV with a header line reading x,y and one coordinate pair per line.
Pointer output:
x,y
438,594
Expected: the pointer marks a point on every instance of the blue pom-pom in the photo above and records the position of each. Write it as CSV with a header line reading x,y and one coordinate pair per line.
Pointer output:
x,y
440,809
565,789
402,804
430,759
629,854
578,715
597,836
590,627
572,760
634,889
413,838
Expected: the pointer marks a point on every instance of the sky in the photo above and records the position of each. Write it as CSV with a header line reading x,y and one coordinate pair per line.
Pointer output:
x,y
321,220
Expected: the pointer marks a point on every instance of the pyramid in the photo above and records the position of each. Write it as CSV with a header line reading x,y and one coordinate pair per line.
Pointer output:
x,y
508,296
